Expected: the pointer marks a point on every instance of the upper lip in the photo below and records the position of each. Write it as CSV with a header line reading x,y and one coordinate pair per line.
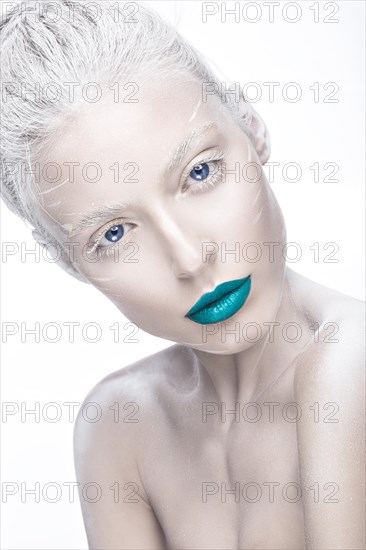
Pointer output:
x,y
216,294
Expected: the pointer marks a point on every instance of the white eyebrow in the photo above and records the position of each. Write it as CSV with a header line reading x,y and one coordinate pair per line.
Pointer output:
x,y
182,149
105,213
97,217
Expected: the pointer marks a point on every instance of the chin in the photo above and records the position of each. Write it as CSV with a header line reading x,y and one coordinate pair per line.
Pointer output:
x,y
227,337
222,348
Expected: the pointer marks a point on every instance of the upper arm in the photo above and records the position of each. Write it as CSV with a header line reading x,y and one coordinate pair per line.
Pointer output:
x,y
329,387
115,508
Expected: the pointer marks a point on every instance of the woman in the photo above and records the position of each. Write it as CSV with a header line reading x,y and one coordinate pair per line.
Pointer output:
x,y
147,181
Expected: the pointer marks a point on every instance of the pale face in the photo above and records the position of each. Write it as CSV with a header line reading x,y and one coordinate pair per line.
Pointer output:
x,y
154,265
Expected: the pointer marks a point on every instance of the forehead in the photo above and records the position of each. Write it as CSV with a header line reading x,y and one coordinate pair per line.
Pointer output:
x,y
142,114
90,156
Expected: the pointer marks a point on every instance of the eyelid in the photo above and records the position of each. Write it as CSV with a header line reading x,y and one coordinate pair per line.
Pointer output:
x,y
96,237
205,156
108,225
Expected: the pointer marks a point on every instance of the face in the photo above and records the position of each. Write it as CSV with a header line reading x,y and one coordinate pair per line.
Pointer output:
x,y
158,205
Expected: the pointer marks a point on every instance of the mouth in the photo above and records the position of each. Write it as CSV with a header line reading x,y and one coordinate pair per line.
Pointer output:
x,y
220,304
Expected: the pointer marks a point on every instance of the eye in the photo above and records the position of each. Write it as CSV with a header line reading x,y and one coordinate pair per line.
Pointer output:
x,y
204,173
113,235
108,238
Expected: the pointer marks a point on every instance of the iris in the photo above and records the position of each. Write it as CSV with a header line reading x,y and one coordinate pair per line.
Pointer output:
x,y
114,233
200,171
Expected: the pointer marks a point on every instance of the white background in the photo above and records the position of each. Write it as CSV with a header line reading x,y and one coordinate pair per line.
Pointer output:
x,y
304,132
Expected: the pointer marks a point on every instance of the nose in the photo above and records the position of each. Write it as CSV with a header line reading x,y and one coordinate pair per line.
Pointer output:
x,y
184,249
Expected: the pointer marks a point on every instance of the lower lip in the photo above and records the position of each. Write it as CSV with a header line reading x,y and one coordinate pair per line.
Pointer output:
x,y
224,308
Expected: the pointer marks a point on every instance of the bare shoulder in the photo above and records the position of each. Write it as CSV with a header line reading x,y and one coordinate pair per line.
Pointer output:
x,y
111,439
329,389
133,392
122,416
334,359
335,353
337,349
116,419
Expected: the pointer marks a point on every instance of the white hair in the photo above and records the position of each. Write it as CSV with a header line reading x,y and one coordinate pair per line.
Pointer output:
x,y
72,44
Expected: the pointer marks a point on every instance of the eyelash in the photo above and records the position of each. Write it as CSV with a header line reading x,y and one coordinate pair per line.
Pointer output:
x,y
215,156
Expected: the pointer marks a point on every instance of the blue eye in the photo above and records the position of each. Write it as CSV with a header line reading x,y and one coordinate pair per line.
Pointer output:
x,y
106,240
114,234
205,173
200,172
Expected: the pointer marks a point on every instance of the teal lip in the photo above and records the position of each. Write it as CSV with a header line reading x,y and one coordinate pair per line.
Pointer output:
x,y
220,304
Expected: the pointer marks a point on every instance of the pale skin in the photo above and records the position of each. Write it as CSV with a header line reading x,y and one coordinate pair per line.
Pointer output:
x,y
175,465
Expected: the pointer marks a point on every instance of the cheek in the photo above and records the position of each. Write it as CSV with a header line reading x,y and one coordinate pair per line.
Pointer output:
x,y
246,212
137,297
154,315
255,230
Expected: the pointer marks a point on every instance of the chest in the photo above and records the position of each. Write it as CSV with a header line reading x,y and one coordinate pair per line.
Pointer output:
x,y
231,489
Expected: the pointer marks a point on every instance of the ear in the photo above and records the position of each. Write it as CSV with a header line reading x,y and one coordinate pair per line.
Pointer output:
x,y
60,259
258,131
